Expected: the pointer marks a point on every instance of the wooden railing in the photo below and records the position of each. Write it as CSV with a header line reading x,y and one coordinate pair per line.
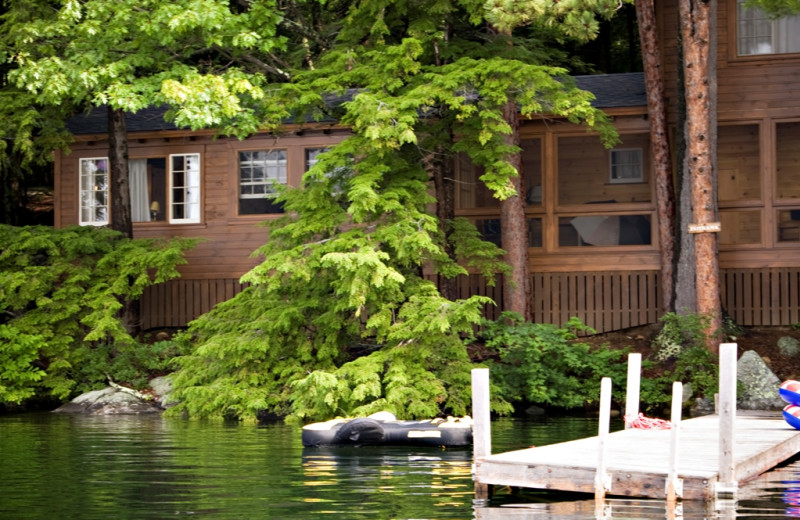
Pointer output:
x,y
605,301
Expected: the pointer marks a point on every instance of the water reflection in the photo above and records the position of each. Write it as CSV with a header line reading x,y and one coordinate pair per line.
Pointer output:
x,y
441,478
139,468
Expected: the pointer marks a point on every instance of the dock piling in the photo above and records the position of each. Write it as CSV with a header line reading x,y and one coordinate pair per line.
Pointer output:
x,y
632,388
481,424
674,488
727,484
602,480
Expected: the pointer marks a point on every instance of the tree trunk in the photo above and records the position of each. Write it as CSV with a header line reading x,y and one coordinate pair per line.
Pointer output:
x,y
659,147
514,230
442,171
118,172
699,63
685,293
121,200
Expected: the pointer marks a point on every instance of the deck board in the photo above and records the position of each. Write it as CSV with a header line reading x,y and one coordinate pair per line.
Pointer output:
x,y
638,460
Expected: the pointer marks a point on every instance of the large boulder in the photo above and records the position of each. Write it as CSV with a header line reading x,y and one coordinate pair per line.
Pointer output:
x,y
758,384
109,401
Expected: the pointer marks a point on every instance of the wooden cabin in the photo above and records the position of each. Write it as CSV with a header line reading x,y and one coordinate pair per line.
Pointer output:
x,y
592,212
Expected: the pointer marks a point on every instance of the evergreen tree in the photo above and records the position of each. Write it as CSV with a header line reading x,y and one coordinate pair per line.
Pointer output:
x,y
339,319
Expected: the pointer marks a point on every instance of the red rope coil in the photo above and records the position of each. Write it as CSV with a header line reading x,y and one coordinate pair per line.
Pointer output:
x,y
648,423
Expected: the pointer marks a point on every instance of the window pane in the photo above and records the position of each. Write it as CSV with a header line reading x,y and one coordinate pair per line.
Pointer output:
x,y
789,225
259,172
532,171
185,188
93,191
311,156
490,230
626,165
584,171
740,227
760,34
787,159
535,232
470,190
602,230
739,163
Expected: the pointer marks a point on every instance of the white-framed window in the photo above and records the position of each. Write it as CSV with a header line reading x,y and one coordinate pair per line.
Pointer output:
x,y
149,183
93,196
312,154
626,165
259,172
184,188
758,33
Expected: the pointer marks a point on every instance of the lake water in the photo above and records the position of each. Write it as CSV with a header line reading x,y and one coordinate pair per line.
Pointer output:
x,y
54,466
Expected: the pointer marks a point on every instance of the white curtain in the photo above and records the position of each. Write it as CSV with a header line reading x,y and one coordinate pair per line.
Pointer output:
x,y
140,200
786,34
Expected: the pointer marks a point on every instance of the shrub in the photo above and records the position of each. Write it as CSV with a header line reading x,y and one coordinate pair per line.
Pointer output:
x,y
679,331
546,364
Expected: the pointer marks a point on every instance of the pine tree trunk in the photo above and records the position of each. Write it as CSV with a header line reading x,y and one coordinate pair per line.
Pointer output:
x,y
443,174
685,293
659,148
118,172
699,62
514,231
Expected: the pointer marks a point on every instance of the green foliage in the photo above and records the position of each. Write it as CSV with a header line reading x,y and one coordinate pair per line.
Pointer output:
x,y
18,374
682,355
132,364
422,371
545,364
294,341
695,366
679,332
776,8
698,367
61,291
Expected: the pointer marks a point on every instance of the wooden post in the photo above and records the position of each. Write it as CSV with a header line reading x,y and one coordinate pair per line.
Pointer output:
x,y
727,485
602,481
481,426
674,484
632,389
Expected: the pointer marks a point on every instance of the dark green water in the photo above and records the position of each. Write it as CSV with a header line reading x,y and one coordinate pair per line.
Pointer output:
x,y
54,466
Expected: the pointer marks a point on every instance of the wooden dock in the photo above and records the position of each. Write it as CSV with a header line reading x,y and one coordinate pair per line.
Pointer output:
x,y
638,460
696,459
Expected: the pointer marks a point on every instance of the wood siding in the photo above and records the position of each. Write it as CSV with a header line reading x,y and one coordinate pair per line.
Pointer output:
x,y
175,303
229,239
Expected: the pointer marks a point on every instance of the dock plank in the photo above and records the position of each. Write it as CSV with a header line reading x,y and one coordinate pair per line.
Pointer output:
x,y
638,460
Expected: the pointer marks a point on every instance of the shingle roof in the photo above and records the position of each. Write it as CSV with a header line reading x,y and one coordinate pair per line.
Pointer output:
x,y
96,121
615,90
610,90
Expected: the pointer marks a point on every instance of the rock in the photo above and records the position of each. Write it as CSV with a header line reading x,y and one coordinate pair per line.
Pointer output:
x,y
759,385
109,401
162,386
789,346
686,392
701,407
534,410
